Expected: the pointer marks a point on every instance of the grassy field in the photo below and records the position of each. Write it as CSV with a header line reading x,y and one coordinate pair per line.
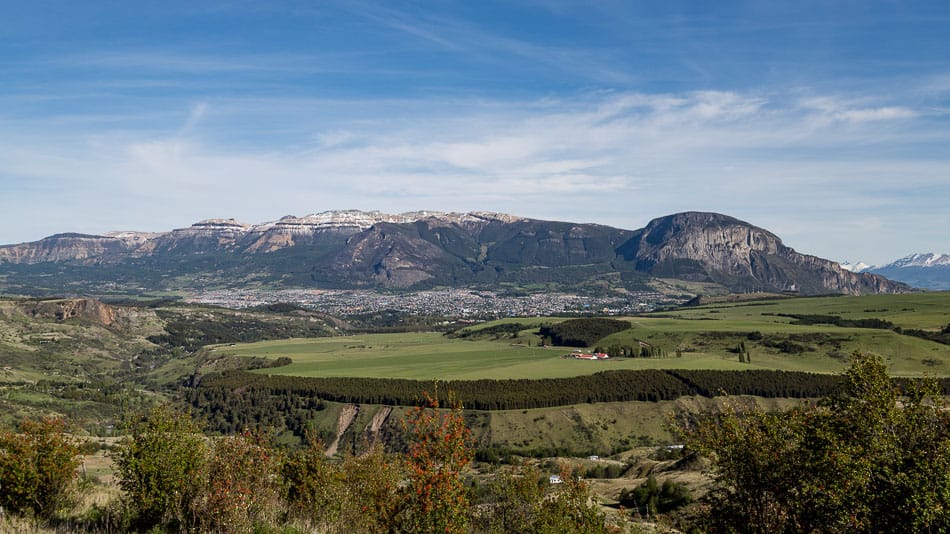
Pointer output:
x,y
693,338
418,356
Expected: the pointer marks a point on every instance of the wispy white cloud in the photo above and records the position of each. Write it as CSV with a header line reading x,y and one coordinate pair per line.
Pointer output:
x,y
611,157
454,35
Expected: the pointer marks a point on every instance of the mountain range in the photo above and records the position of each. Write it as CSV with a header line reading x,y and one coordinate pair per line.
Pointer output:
x,y
923,270
418,250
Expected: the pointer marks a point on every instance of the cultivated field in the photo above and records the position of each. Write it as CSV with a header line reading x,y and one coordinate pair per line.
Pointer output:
x,y
705,337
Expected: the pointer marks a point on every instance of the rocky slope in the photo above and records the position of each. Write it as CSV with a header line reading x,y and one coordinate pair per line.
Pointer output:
x,y
426,249
710,246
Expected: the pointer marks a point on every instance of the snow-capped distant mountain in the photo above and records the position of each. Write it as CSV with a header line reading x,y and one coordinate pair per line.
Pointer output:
x,y
924,270
928,259
855,267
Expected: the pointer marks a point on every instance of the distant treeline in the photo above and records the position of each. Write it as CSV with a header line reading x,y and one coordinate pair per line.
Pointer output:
x,y
810,319
941,336
192,331
582,332
508,329
761,383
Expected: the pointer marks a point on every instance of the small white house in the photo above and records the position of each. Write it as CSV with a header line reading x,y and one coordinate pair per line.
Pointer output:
x,y
555,479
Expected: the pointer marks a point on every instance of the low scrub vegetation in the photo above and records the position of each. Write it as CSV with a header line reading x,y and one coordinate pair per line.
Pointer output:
x,y
175,479
651,498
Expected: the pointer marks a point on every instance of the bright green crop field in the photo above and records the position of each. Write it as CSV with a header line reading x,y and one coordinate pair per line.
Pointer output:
x,y
692,338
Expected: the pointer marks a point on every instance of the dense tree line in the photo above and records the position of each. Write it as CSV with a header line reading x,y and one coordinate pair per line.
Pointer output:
x,y
761,383
227,411
583,332
485,394
632,351
234,400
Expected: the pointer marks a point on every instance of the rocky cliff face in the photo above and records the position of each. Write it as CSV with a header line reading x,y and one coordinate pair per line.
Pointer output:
x,y
710,246
65,309
389,255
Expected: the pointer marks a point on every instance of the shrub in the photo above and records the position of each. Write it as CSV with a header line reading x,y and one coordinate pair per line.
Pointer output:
x,y
243,484
161,466
358,495
651,498
38,468
867,459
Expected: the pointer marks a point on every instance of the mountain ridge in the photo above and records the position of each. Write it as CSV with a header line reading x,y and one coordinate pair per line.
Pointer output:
x,y
358,249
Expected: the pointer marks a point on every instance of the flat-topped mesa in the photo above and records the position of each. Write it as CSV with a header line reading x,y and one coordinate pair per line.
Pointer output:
x,y
64,247
199,238
291,230
133,238
216,225
461,219
362,220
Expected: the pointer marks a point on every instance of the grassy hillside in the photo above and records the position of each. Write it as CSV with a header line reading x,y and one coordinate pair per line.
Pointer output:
x,y
90,361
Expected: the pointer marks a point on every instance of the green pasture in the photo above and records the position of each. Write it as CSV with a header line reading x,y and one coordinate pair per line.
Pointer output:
x,y
430,356
692,338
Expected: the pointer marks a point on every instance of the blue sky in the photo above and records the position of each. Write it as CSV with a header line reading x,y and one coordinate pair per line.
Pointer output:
x,y
825,122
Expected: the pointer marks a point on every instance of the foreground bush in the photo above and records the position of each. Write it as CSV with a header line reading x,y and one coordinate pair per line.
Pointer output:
x,y
38,468
161,465
243,487
440,447
865,460
360,494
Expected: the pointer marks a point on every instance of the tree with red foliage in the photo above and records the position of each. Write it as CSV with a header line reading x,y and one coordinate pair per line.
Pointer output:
x,y
440,448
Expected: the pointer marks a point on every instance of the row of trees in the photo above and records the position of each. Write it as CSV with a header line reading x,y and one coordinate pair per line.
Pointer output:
x,y
630,351
251,389
485,394
940,336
